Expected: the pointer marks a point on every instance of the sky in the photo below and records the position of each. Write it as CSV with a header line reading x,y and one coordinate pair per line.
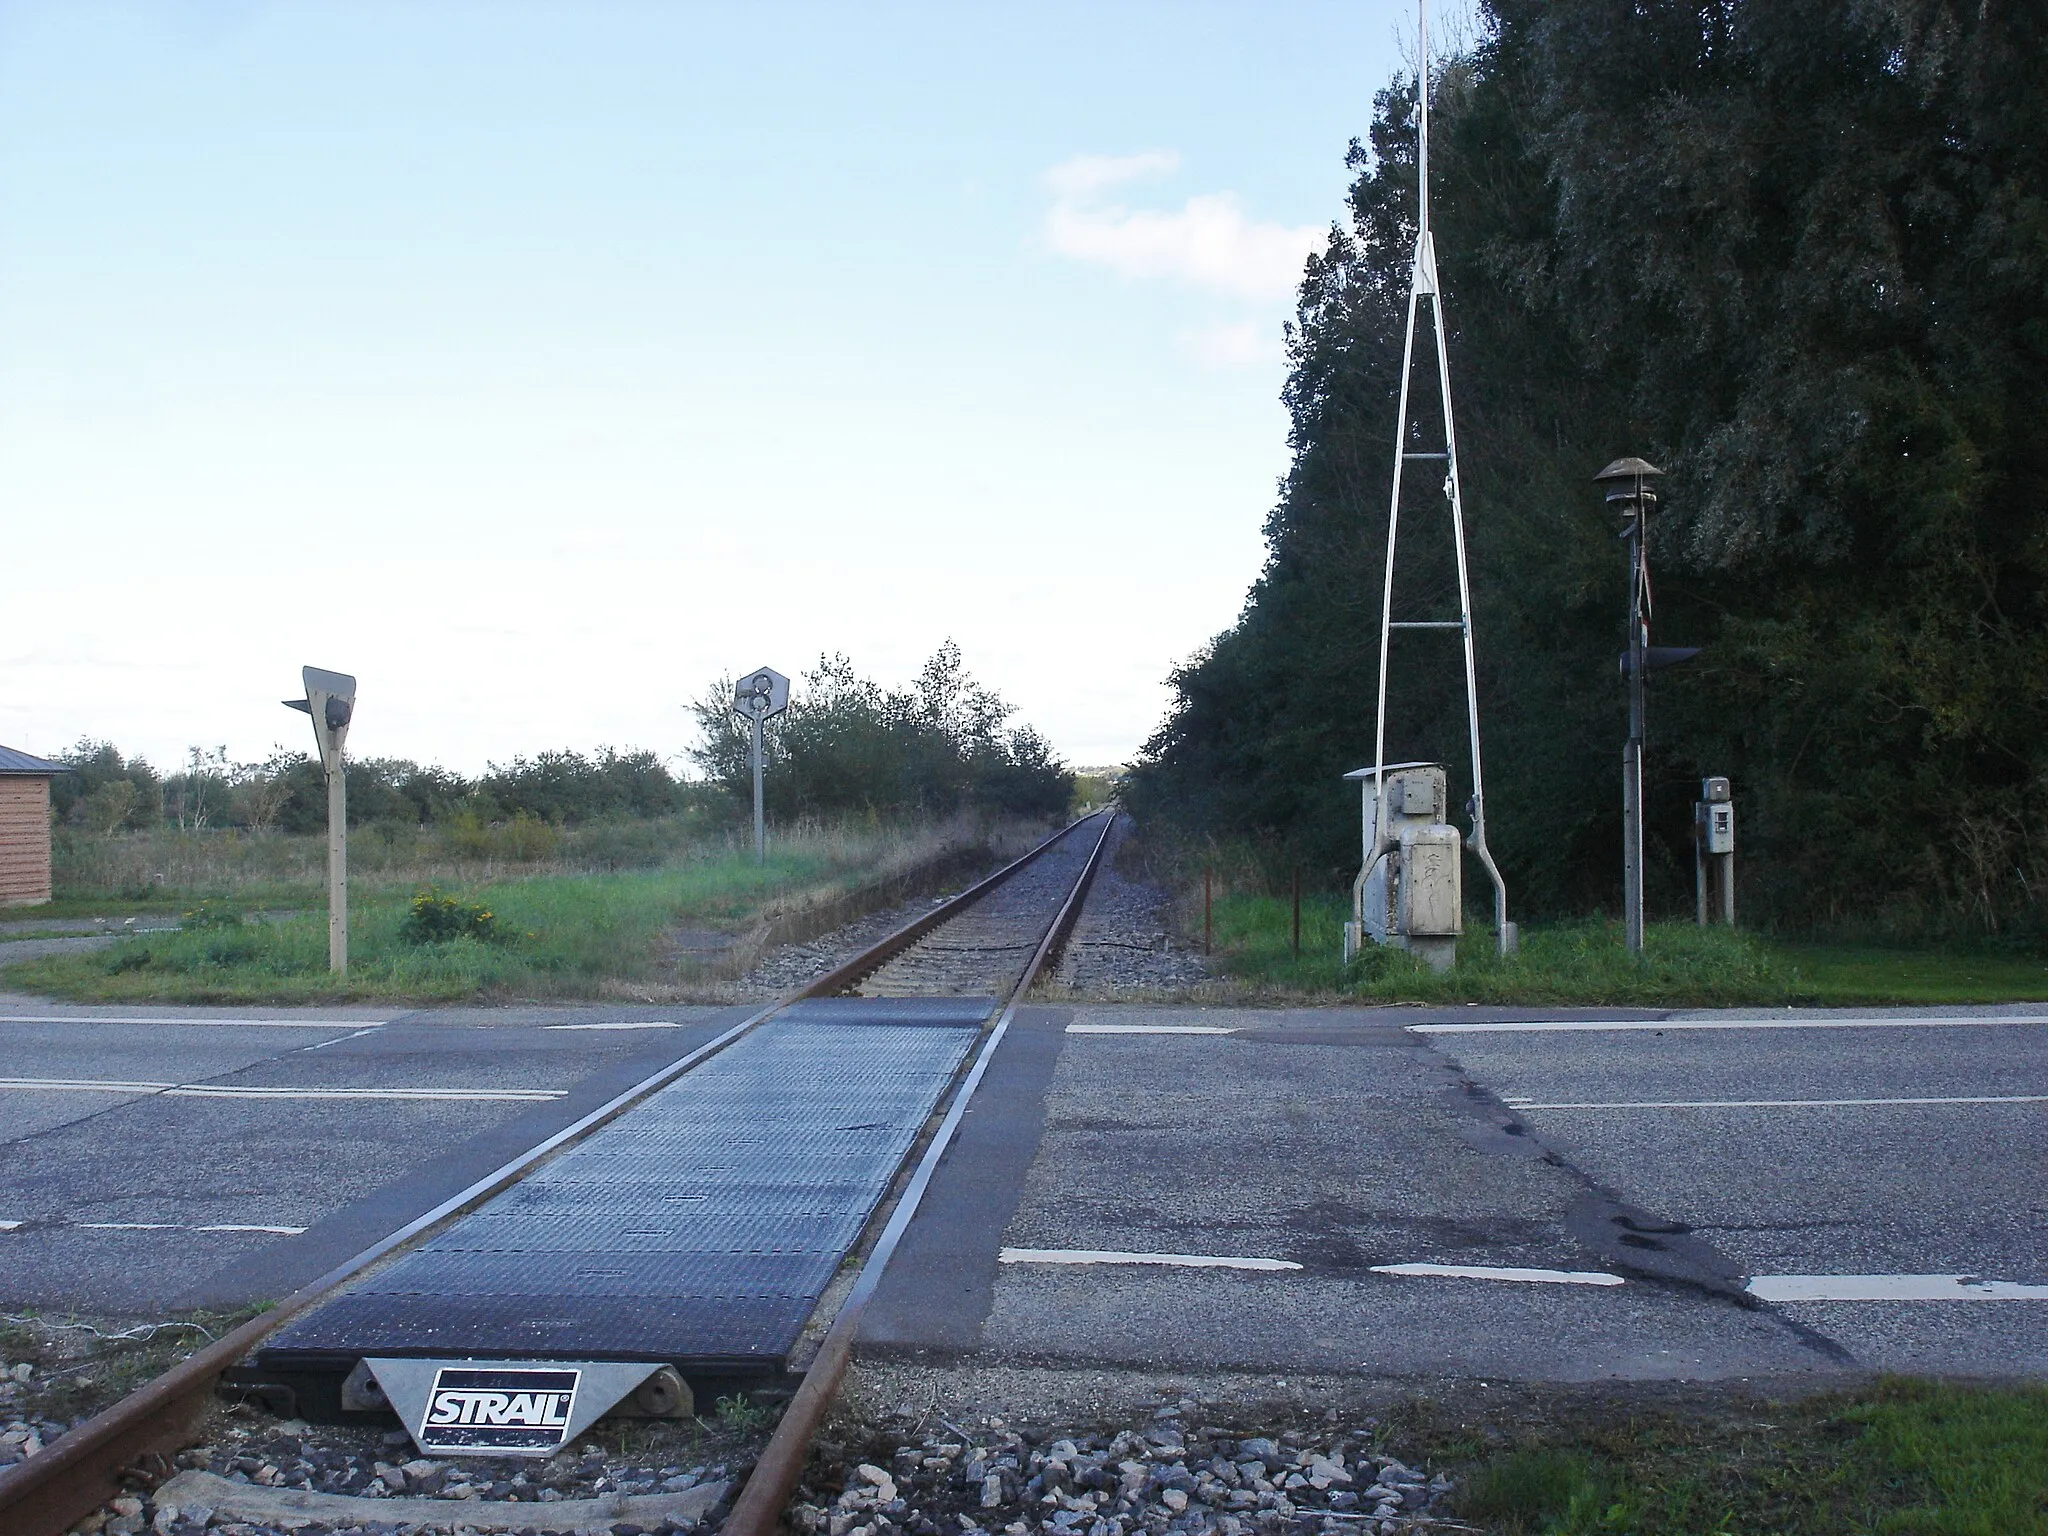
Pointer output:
x,y
538,363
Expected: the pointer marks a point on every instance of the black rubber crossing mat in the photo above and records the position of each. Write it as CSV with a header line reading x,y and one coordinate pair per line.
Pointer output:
x,y
701,1227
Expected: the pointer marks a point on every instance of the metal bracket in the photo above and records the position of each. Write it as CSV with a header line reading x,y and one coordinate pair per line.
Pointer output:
x,y
509,1407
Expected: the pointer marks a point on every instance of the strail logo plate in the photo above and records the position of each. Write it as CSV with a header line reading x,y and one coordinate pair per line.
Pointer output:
x,y
498,1409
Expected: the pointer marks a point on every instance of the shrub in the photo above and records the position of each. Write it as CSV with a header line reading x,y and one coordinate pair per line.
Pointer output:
x,y
436,919
211,914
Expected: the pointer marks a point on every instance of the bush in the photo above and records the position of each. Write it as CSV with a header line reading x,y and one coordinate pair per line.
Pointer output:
x,y
848,745
211,914
436,919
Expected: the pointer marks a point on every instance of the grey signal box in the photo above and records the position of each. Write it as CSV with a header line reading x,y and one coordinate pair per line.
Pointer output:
x,y
1410,894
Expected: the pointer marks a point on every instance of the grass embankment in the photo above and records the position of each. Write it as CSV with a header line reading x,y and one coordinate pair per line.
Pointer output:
x,y
1917,1457
554,932
1584,963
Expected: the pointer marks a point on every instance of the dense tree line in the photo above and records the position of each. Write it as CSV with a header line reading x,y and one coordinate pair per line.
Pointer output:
x,y
108,792
846,743
1794,251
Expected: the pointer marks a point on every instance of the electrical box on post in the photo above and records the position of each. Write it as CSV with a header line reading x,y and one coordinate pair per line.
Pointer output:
x,y
1713,841
1720,828
1432,893
1410,893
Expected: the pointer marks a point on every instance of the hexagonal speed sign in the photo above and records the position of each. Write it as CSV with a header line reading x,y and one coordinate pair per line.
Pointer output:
x,y
761,693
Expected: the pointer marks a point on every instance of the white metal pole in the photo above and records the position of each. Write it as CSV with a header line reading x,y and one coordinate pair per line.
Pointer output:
x,y
1422,107
1504,934
337,869
1379,734
1423,280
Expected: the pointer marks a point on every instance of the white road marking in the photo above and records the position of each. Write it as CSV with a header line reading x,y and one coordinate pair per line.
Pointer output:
x,y
1502,1272
242,1091
1891,1288
1111,1256
8,1226
1987,1098
339,1039
47,1018
180,1226
1148,1029
1598,1026
462,1095
622,1024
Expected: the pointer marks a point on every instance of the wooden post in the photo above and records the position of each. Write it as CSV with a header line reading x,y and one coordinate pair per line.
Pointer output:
x,y
337,870
1206,902
1297,911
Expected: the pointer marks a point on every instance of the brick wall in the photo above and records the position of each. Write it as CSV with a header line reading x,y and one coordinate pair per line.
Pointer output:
x,y
24,839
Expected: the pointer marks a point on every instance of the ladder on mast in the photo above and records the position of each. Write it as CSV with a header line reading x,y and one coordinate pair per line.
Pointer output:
x,y
1423,284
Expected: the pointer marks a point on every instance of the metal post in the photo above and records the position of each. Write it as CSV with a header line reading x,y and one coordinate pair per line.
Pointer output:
x,y
1699,862
1423,282
1727,863
1632,754
337,870
760,818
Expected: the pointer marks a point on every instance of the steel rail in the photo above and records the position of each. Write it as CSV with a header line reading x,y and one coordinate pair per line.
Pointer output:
x,y
758,1509
872,959
81,1470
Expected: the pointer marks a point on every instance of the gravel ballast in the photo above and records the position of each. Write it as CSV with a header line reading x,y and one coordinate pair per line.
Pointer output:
x,y
259,1476
1164,1476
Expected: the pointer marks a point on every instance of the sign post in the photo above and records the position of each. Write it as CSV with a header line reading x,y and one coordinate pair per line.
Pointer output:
x,y
331,701
761,694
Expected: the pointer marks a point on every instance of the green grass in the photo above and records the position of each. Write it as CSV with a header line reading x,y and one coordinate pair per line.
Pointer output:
x,y
90,904
1584,963
27,935
1861,973
1914,1458
562,935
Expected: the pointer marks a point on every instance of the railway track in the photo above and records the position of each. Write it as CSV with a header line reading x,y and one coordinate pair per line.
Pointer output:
x,y
955,975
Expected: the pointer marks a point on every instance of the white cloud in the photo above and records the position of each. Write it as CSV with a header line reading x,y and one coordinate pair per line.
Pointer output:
x,y
1209,243
1085,175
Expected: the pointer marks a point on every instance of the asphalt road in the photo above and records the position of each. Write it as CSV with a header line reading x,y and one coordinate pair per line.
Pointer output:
x,y
1352,1161
212,1156
1393,1193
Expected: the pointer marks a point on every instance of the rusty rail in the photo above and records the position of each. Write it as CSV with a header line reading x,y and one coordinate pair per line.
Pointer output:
x,y
80,1471
758,1510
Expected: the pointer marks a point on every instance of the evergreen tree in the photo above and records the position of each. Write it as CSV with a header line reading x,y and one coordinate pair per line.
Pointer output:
x,y
1795,252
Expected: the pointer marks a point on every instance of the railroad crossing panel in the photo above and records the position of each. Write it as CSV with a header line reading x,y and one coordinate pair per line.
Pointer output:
x,y
698,1229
